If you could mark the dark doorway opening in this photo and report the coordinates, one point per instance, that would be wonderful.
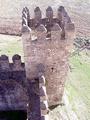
(13, 115)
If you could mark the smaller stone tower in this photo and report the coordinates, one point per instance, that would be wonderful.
(47, 42)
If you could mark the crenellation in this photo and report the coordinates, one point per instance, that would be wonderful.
(48, 21)
(15, 70)
(59, 14)
(4, 62)
(25, 16)
(49, 18)
(50, 48)
(17, 63)
(65, 17)
(37, 16)
(49, 12)
(46, 43)
(43, 96)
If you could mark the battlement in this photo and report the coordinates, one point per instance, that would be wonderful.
(47, 42)
(15, 70)
(61, 22)
(14, 84)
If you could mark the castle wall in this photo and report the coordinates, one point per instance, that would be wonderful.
(13, 91)
(16, 93)
(10, 14)
(46, 44)
(15, 70)
(13, 96)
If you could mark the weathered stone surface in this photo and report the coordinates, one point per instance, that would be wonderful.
(50, 49)
(15, 70)
(12, 96)
(47, 55)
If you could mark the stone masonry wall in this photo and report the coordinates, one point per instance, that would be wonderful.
(13, 71)
(13, 91)
(16, 93)
(47, 42)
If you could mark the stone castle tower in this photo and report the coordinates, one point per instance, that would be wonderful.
(47, 42)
